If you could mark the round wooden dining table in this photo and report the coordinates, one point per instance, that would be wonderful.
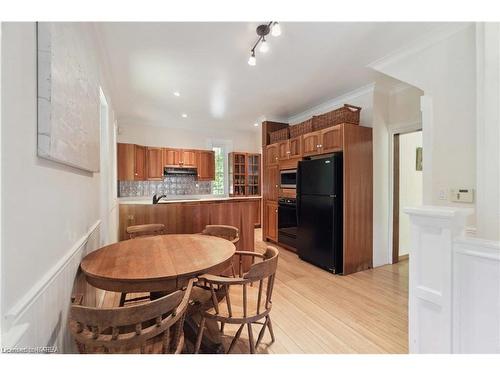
(156, 264)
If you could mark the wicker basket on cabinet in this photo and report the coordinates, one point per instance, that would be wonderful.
(302, 128)
(348, 113)
(278, 135)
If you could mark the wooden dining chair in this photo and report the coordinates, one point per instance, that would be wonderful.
(226, 232)
(151, 327)
(223, 231)
(143, 230)
(256, 301)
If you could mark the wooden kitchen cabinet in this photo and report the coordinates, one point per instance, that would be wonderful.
(125, 161)
(175, 157)
(131, 162)
(140, 163)
(205, 164)
(283, 150)
(171, 157)
(323, 141)
(290, 149)
(271, 219)
(311, 143)
(272, 153)
(154, 163)
(295, 147)
(331, 139)
(271, 191)
(188, 158)
(244, 174)
(253, 174)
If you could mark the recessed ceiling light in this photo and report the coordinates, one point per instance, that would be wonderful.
(184, 115)
(177, 93)
(256, 124)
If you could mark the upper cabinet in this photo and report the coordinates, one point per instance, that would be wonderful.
(126, 161)
(131, 162)
(295, 147)
(205, 164)
(244, 174)
(142, 163)
(331, 139)
(290, 149)
(311, 143)
(188, 158)
(272, 154)
(171, 157)
(154, 163)
(323, 141)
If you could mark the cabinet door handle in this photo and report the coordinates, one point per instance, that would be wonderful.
(136, 174)
(276, 185)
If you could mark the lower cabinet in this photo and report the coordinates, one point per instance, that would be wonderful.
(271, 219)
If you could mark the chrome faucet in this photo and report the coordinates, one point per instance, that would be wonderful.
(157, 199)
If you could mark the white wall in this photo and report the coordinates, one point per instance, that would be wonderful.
(51, 208)
(148, 135)
(488, 130)
(410, 185)
(445, 70)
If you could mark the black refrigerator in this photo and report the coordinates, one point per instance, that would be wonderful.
(319, 212)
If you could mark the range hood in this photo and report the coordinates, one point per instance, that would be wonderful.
(179, 171)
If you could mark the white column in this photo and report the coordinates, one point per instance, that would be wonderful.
(488, 133)
(430, 281)
(427, 145)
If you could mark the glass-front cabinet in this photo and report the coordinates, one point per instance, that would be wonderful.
(244, 174)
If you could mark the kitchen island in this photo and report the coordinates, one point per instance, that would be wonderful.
(192, 215)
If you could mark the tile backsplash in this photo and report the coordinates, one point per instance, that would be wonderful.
(171, 185)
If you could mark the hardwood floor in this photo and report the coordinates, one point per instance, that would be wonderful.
(317, 312)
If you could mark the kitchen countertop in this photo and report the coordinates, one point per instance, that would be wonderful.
(189, 199)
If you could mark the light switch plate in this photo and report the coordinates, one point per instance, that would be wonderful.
(462, 195)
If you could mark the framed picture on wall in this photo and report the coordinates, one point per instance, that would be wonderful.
(68, 96)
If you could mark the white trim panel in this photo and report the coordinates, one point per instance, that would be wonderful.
(39, 318)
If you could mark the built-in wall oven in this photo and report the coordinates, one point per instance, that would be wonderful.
(287, 222)
(288, 179)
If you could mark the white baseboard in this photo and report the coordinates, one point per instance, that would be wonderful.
(39, 318)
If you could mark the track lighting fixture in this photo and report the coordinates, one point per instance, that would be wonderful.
(272, 27)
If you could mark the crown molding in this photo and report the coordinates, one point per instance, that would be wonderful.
(332, 103)
(129, 121)
(420, 44)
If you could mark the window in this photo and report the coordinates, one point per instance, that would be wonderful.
(218, 184)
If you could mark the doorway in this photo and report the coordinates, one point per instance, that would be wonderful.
(408, 188)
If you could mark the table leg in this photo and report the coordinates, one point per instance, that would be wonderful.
(211, 342)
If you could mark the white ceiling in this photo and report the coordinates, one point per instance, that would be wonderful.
(207, 63)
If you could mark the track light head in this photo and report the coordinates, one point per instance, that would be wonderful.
(252, 61)
(276, 29)
(264, 46)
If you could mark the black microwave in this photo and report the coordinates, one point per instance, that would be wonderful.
(288, 179)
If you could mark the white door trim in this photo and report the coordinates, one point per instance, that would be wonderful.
(401, 128)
